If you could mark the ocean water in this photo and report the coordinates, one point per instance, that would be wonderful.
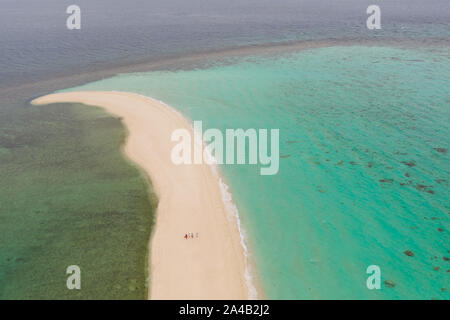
(36, 45)
(313, 228)
(364, 168)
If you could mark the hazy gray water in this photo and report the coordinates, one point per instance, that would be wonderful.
(35, 43)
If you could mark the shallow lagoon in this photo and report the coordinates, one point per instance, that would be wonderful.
(364, 164)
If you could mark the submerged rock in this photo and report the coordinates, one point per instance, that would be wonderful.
(424, 188)
(409, 164)
(409, 253)
(441, 150)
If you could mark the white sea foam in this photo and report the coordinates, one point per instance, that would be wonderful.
(227, 198)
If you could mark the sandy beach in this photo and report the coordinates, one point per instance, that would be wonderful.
(212, 264)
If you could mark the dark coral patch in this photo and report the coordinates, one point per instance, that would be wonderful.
(20, 260)
(409, 163)
(409, 253)
(441, 150)
(424, 188)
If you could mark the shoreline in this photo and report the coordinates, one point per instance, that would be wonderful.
(212, 265)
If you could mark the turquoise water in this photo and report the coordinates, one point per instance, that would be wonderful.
(364, 167)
